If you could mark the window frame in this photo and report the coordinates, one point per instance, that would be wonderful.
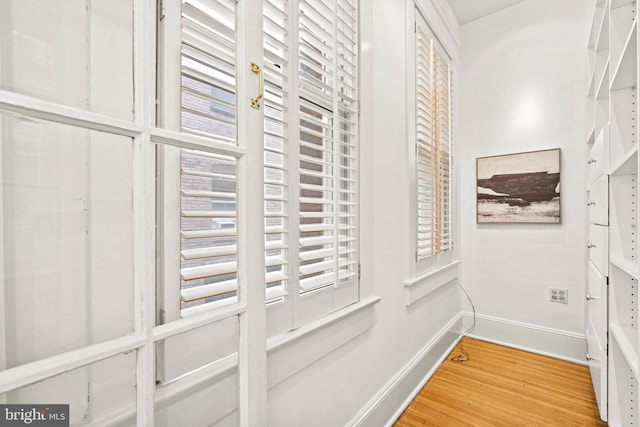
(433, 24)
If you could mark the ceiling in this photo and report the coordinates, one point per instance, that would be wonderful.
(470, 10)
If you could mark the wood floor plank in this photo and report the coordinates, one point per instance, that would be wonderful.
(502, 386)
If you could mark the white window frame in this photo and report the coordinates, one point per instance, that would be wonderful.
(439, 257)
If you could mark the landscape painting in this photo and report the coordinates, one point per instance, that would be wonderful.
(519, 188)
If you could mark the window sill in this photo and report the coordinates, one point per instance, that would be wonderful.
(315, 340)
(421, 286)
(309, 343)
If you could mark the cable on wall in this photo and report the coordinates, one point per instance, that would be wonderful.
(464, 356)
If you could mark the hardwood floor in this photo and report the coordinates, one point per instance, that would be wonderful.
(502, 386)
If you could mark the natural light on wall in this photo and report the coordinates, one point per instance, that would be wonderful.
(526, 114)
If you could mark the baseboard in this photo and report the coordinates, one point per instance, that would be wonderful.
(551, 342)
(389, 403)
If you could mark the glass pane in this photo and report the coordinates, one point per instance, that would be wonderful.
(102, 393)
(72, 52)
(67, 223)
(197, 382)
(185, 353)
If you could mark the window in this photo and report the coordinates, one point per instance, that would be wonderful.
(433, 150)
(310, 161)
(311, 174)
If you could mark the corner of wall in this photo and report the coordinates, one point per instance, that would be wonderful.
(550, 342)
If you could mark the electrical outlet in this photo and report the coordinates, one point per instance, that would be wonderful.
(559, 295)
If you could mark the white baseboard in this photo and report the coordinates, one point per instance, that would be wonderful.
(389, 403)
(551, 342)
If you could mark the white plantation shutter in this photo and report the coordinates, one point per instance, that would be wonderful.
(317, 210)
(347, 139)
(276, 133)
(433, 146)
(208, 69)
(425, 142)
(328, 144)
(208, 247)
(443, 122)
(316, 172)
(311, 151)
(310, 159)
(208, 193)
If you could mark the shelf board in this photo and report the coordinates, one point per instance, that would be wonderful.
(602, 38)
(602, 92)
(618, 3)
(625, 74)
(628, 165)
(628, 266)
(627, 339)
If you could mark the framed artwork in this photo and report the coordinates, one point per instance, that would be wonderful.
(519, 188)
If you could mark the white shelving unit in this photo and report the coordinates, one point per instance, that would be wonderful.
(614, 268)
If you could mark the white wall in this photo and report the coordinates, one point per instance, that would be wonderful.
(523, 88)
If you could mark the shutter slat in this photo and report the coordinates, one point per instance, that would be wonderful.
(208, 291)
(316, 267)
(200, 272)
(208, 214)
(199, 234)
(316, 254)
(209, 194)
(275, 292)
(208, 252)
(316, 282)
(315, 227)
(316, 241)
